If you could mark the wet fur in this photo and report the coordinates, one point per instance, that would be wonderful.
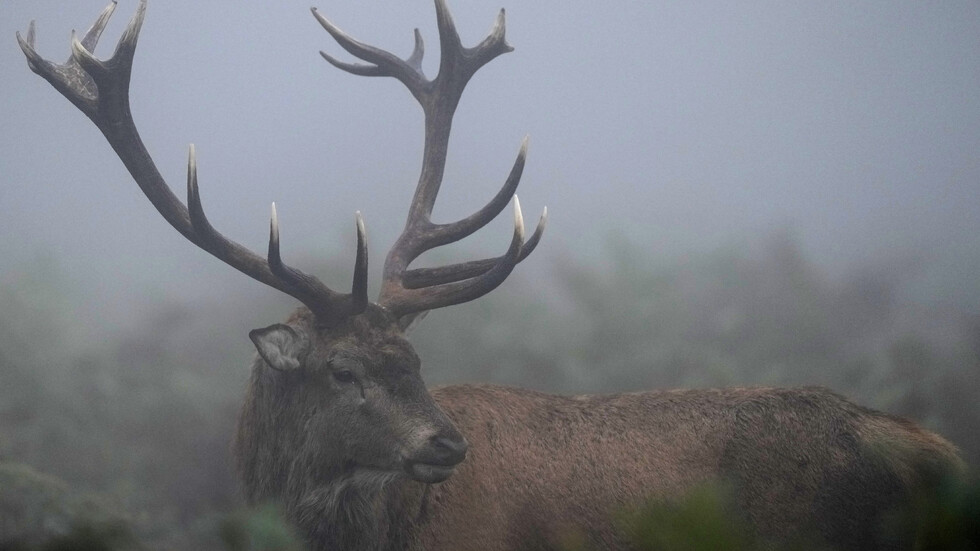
(801, 463)
(358, 511)
(333, 505)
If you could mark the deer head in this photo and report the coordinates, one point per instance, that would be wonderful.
(339, 378)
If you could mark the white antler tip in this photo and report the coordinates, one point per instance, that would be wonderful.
(191, 172)
(518, 216)
(274, 229)
(78, 50)
(500, 22)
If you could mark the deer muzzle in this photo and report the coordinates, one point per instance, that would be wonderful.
(438, 459)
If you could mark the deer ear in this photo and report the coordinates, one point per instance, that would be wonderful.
(281, 346)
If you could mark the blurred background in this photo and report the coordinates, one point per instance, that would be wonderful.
(773, 193)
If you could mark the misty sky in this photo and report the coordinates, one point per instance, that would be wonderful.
(681, 124)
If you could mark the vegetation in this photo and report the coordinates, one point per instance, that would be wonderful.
(38, 510)
(946, 517)
(141, 421)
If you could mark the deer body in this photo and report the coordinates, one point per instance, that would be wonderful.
(339, 429)
(801, 463)
(543, 470)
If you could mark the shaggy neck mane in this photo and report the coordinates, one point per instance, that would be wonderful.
(334, 505)
(361, 510)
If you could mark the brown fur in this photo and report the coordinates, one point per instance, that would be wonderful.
(802, 463)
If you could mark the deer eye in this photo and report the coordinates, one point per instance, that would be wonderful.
(344, 376)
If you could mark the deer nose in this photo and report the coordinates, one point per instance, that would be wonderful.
(449, 450)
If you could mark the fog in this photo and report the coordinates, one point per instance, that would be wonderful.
(682, 125)
(764, 193)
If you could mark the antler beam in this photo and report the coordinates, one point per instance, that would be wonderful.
(100, 90)
(406, 292)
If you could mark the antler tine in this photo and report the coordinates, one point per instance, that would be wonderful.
(126, 47)
(89, 42)
(100, 89)
(95, 68)
(383, 63)
(95, 32)
(428, 277)
(35, 62)
(359, 288)
(322, 301)
(449, 42)
(442, 234)
(404, 301)
(31, 32)
(468, 61)
(121, 60)
(415, 60)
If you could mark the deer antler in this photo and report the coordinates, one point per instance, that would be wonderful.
(407, 292)
(100, 89)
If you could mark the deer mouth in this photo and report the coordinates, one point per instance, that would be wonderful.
(429, 473)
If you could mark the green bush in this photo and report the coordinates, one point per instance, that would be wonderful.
(39, 511)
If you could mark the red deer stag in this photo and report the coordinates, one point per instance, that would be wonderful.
(339, 429)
